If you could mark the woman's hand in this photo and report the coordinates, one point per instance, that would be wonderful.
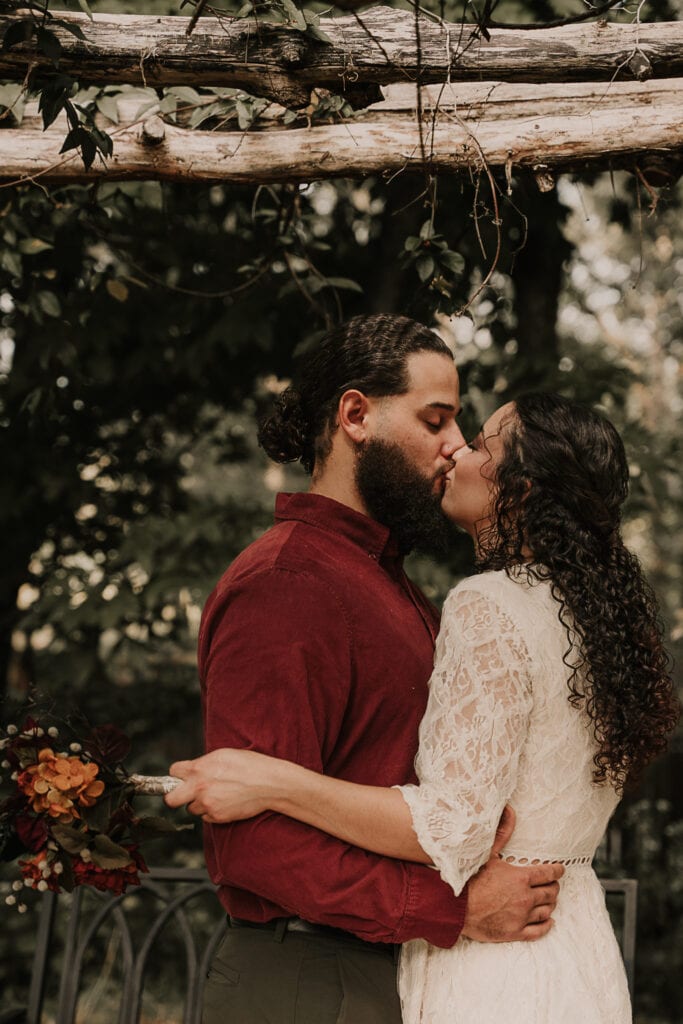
(226, 785)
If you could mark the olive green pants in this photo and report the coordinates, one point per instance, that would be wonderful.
(270, 977)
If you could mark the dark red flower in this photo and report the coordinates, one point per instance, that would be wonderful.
(32, 831)
(114, 880)
(107, 744)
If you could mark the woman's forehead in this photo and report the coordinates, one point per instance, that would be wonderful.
(497, 420)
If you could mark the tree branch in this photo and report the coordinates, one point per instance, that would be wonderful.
(564, 127)
(284, 65)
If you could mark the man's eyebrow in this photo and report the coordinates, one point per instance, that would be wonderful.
(446, 406)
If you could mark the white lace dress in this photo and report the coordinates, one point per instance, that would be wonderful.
(499, 729)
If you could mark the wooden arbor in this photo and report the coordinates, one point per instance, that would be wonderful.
(600, 94)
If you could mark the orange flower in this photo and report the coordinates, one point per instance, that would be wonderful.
(56, 785)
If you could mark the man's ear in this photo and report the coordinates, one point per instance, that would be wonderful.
(353, 415)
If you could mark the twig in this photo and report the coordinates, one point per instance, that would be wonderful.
(199, 7)
(596, 12)
(640, 233)
(654, 196)
(306, 294)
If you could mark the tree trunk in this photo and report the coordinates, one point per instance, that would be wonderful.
(470, 127)
(537, 278)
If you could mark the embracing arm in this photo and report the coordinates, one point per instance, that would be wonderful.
(242, 783)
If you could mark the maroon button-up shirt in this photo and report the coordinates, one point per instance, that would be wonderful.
(315, 647)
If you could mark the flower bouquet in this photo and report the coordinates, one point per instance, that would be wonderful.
(68, 815)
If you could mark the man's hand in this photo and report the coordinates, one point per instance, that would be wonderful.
(506, 903)
(224, 785)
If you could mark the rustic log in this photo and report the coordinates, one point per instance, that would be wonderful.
(464, 127)
(283, 64)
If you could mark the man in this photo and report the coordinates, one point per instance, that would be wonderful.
(316, 647)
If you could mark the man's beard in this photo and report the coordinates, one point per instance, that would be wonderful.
(399, 496)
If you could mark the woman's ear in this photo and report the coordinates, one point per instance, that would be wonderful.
(353, 415)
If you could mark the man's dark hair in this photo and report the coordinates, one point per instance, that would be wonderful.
(368, 353)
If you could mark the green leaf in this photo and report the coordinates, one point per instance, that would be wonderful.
(453, 261)
(169, 105)
(149, 827)
(74, 139)
(294, 15)
(49, 303)
(18, 32)
(412, 243)
(245, 114)
(54, 97)
(97, 816)
(86, 141)
(150, 104)
(48, 44)
(83, 4)
(103, 141)
(72, 114)
(424, 266)
(108, 106)
(204, 113)
(11, 98)
(106, 853)
(11, 262)
(187, 94)
(68, 26)
(427, 230)
(69, 838)
(344, 282)
(32, 246)
(313, 27)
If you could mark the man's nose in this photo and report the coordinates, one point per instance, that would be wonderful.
(453, 442)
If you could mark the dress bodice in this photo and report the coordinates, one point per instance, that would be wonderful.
(499, 728)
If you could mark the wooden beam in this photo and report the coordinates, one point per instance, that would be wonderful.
(284, 64)
(468, 126)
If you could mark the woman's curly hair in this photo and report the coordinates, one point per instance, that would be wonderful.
(560, 487)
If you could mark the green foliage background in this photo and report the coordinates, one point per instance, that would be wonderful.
(144, 326)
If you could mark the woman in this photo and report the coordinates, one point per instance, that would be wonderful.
(549, 692)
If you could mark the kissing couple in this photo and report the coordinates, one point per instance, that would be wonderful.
(378, 780)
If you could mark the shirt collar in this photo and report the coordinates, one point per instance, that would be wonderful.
(317, 510)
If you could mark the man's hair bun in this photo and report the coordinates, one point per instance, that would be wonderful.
(283, 433)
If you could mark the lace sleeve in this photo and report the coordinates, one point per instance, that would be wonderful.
(472, 733)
